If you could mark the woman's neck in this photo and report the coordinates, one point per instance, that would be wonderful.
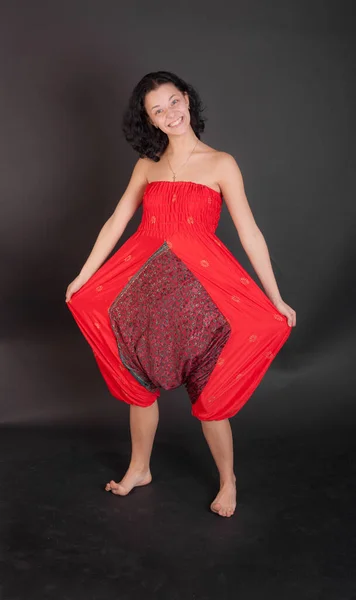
(180, 146)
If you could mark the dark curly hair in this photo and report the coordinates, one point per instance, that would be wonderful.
(146, 139)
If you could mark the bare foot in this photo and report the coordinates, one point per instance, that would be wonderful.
(225, 502)
(133, 478)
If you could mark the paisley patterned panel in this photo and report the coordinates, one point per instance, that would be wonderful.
(169, 332)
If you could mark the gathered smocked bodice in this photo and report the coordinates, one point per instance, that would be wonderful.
(179, 206)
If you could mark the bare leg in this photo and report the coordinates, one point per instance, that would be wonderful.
(143, 426)
(218, 434)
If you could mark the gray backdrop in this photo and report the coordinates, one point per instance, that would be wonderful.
(277, 79)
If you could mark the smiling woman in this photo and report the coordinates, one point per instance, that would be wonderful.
(173, 306)
(155, 103)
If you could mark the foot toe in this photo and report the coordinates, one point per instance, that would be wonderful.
(112, 486)
(216, 507)
(119, 490)
(223, 511)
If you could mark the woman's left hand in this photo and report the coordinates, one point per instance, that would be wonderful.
(287, 311)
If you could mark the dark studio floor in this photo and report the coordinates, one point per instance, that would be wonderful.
(63, 537)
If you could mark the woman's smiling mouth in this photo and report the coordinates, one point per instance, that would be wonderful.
(176, 122)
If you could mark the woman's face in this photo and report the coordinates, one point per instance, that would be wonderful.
(168, 108)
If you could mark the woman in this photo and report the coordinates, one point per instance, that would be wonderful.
(173, 306)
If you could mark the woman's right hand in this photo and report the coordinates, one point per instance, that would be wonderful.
(74, 286)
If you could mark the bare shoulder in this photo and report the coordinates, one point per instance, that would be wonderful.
(220, 164)
(141, 169)
(226, 167)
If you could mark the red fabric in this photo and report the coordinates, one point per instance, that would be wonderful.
(180, 271)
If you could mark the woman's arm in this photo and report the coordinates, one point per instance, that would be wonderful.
(114, 227)
(231, 183)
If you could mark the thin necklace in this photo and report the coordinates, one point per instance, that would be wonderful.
(174, 173)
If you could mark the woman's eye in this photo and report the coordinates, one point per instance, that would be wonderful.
(173, 101)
